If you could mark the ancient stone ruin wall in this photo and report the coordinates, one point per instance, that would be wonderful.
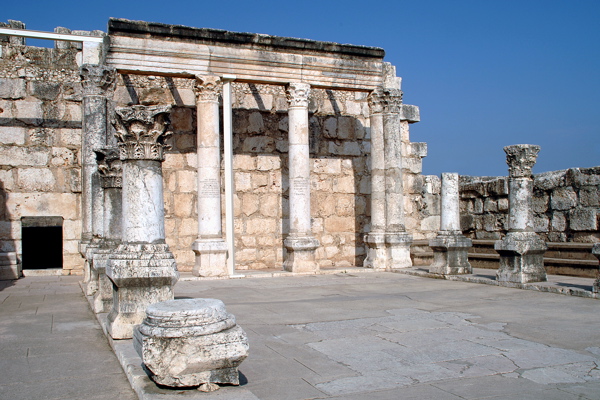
(40, 141)
(566, 205)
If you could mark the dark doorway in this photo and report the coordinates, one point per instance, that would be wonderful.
(42, 240)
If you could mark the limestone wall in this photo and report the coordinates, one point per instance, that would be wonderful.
(566, 205)
(40, 141)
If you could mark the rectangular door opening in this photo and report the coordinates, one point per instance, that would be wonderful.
(42, 242)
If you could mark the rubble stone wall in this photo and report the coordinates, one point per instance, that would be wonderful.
(40, 142)
(566, 205)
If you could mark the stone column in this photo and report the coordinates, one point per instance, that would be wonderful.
(521, 250)
(300, 243)
(96, 80)
(596, 286)
(110, 171)
(210, 247)
(450, 246)
(142, 269)
(397, 240)
(375, 239)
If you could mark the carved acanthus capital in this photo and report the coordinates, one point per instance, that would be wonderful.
(521, 159)
(110, 168)
(392, 101)
(208, 88)
(376, 101)
(96, 79)
(141, 132)
(297, 94)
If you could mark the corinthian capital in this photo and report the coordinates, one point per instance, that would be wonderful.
(391, 100)
(521, 159)
(141, 132)
(208, 88)
(96, 79)
(109, 167)
(297, 94)
(376, 99)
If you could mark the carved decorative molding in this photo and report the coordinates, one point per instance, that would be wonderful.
(141, 132)
(109, 167)
(520, 159)
(96, 79)
(208, 88)
(297, 94)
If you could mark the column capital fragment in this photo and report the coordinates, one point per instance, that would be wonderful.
(520, 159)
(297, 94)
(385, 100)
(208, 87)
(141, 132)
(109, 167)
(96, 79)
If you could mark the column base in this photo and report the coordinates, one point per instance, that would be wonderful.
(376, 251)
(211, 257)
(301, 254)
(10, 267)
(103, 298)
(398, 250)
(521, 258)
(450, 254)
(142, 274)
(90, 277)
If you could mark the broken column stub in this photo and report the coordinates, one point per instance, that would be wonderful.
(210, 247)
(450, 247)
(300, 243)
(110, 171)
(142, 269)
(521, 250)
(191, 342)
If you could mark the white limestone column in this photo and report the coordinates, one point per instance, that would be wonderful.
(521, 250)
(450, 247)
(375, 239)
(398, 241)
(450, 210)
(96, 81)
(142, 269)
(300, 243)
(210, 247)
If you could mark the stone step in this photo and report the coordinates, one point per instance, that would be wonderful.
(572, 259)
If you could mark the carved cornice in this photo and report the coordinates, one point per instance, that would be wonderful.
(297, 94)
(96, 79)
(141, 132)
(520, 159)
(109, 167)
(208, 88)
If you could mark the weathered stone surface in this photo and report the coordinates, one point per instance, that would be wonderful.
(191, 342)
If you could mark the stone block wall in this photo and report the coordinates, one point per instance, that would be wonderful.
(566, 205)
(40, 142)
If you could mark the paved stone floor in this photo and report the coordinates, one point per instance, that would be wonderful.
(343, 336)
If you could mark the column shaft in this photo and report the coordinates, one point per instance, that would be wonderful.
(450, 210)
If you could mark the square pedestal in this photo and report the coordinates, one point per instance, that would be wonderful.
(450, 255)
(376, 251)
(141, 275)
(211, 257)
(521, 258)
(10, 267)
(398, 250)
(301, 254)
(103, 297)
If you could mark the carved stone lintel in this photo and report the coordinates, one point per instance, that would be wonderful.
(109, 168)
(208, 88)
(521, 159)
(297, 94)
(96, 79)
(141, 132)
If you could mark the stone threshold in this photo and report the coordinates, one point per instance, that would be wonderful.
(559, 284)
(140, 382)
(276, 273)
(50, 272)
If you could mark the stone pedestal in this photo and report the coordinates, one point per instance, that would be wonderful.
(450, 246)
(210, 247)
(142, 269)
(10, 267)
(300, 243)
(398, 250)
(376, 251)
(596, 252)
(521, 250)
(191, 342)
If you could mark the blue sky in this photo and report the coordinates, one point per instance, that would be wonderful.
(485, 74)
